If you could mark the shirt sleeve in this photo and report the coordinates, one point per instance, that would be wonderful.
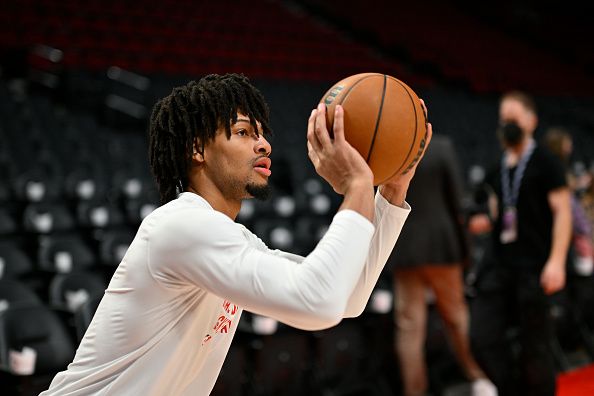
(553, 175)
(206, 249)
(388, 221)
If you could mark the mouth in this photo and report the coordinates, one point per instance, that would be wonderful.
(262, 166)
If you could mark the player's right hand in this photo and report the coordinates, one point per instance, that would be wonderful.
(339, 163)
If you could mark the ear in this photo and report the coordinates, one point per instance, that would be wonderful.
(197, 155)
(532, 121)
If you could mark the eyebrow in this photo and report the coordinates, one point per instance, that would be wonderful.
(242, 120)
(258, 131)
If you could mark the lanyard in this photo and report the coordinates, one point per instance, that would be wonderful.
(511, 192)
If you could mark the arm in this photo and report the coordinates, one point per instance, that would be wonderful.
(389, 220)
(553, 274)
(391, 211)
(205, 249)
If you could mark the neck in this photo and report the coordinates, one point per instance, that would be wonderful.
(515, 152)
(216, 199)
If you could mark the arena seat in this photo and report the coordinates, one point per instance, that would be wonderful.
(69, 291)
(15, 264)
(16, 293)
(28, 331)
(62, 254)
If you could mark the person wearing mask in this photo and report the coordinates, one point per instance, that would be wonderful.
(531, 230)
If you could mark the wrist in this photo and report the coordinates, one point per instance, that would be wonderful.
(358, 196)
(394, 193)
(359, 185)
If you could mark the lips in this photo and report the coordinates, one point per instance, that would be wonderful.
(262, 166)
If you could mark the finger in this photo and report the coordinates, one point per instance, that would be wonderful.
(311, 153)
(428, 138)
(311, 135)
(424, 108)
(320, 129)
(311, 122)
(312, 139)
(429, 134)
(338, 127)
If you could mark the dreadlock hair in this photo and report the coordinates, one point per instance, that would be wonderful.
(188, 118)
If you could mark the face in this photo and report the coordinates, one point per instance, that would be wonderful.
(239, 165)
(567, 147)
(514, 111)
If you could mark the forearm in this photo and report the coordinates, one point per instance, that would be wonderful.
(389, 220)
(359, 198)
(314, 290)
(561, 235)
(394, 194)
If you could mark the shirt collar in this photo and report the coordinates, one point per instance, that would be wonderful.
(195, 198)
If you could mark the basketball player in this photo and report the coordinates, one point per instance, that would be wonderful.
(172, 307)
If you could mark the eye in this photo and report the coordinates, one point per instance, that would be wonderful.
(242, 132)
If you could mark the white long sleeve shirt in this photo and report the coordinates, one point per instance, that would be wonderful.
(172, 307)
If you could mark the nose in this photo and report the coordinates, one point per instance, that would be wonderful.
(262, 146)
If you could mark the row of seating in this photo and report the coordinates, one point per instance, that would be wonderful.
(455, 40)
(178, 38)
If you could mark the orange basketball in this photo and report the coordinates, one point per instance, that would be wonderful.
(383, 120)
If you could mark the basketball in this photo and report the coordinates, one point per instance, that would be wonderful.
(383, 120)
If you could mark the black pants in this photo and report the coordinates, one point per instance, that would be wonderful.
(511, 332)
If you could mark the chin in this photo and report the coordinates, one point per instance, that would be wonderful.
(259, 191)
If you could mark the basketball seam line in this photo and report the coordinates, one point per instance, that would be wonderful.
(349, 91)
(377, 122)
(416, 127)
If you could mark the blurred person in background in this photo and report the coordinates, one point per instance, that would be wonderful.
(587, 197)
(560, 143)
(430, 257)
(580, 269)
(530, 225)
(586, 189)
(170, 312)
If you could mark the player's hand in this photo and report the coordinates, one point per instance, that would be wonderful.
(339, 163)
(552, 277)
(395, 188)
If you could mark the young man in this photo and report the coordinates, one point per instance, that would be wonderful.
(173, 305)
